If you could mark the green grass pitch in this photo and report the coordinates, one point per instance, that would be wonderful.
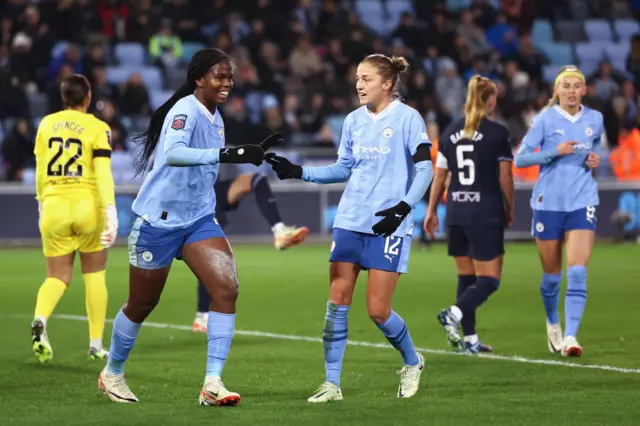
(285, 294)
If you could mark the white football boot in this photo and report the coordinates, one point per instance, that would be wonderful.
(214, 394)
(570, 347)
(410, 379)
(325, 393)
(115, 387)
(554, 337)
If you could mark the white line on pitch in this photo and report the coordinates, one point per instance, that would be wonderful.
(382, 346)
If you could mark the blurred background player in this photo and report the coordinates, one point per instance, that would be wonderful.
(382, 143)
(76, 201)
(564, 200)
(229, 193)
(175, 218)
(478, 154)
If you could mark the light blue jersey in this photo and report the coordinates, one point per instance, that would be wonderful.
(375, 155)
(176, 193)
(565, 184)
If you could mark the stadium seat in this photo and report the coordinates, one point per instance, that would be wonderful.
(589, 52)
(569, 31)
(598, 30)
(550, 72)
(158, 97)
(189, 48)
(558, 53)
(542, 32)
(626, 28)
(130, 54)
(457, 5)
(151, 76)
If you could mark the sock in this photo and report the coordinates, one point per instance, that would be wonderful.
(477, 294)
(220, 332)
(468, 321)
(456, 312)
(396, 332)
(265, 199)
(204, 300)
(95, 285)
(123, 337)
(334, 340)
(575, 298)
(549, 290)
(473, 339)
(50, 293)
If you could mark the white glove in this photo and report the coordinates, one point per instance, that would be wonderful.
(108, 236)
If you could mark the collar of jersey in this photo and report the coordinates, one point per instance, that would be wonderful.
(204, 110)
(565, 114)
(382, 113)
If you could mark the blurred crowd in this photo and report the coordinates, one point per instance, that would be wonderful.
(296, 62)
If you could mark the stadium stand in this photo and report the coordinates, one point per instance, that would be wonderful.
(141, 47)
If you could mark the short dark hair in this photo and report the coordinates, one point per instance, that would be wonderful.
(74, 90)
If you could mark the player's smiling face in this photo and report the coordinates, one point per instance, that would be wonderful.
(217, 83)
(570, 91)
(371, 87)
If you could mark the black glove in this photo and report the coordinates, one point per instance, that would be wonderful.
(283, 167)
(393, 217)
(243, 154)
(271, 140)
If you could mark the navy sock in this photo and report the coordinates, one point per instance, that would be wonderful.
(204, 300)
(468, 321)
(265, 199)
(477, 294)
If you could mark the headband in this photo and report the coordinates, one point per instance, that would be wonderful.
(571, 72)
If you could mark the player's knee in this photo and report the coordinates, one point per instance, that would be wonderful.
(140, 310)
(492, 283)
(378, 312)
(550, 282)
(340, 294)
(577, 277)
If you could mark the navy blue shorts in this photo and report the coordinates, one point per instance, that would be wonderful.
(155, 248)
(371, 251)
(482, 243)
(551, 225)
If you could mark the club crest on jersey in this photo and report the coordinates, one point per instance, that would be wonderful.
(387, 133)
(588, 132)
(179, 121)
(221, 132)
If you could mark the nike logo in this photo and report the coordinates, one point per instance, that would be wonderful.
(399, 216)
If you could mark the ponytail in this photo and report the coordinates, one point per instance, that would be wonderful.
(199, 66)
(479, 90)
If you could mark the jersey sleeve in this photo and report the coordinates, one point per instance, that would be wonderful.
(341, 169)
(416, 134)
(177, 140)
(102, 166)
(526, 157)
(535, 136)
(595, 147)
(505, 153)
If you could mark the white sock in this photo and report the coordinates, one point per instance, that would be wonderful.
(211, 380)
(95, 343)
(473, 339)
(456, 312)
(277, 227)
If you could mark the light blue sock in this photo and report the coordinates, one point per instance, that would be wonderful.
(575, 299)
(220, 332)
(334, 340)
(550, 290)
(123, 337)
(396, 332)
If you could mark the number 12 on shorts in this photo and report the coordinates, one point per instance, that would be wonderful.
(391, 246)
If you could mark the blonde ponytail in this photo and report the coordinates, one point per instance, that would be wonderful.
(479, 90)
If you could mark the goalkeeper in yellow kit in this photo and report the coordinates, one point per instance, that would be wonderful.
(76, 202)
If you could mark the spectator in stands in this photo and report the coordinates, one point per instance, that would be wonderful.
(53, 88)
(592, 100)
(625, 158)
(139, 27)
(606, 86)
(630, 95)
(450, 88)
(184, 16)
(336, 58)
(113, 16)
(502, 36)
(95, 59)
(21, 60)
(312, 117)
(484, 13)
(135, 98)
(409, 32)
(238, 128)
(274, 122)
(17, 150)
(473, 34)
(70, 57)
(42, 39)
(101, 88)
(633, 60)
(165, 47)
(106, 111)
(441, 34)
(13, 100)
(304, 60)
(291, 111)
(530, 59)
